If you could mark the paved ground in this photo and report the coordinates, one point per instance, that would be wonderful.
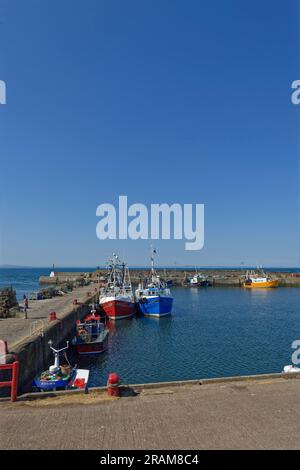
(233, 415)
(13, 330)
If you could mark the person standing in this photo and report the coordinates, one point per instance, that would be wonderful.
(25, 306)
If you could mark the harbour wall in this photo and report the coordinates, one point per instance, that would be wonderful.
(34, 353)
(226, 277)
(171, 385)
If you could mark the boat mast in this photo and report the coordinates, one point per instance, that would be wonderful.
(56, 353)
(153, 252)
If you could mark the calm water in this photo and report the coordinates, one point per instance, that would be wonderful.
(213, 332)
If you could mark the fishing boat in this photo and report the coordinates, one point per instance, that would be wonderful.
(153, 295)
(198, 280)
(91, 335)
(116, 298)
(259, 279)
(60, 377)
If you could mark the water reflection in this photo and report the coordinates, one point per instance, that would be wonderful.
(223, 331)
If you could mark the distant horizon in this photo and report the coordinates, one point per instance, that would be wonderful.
(156, 266)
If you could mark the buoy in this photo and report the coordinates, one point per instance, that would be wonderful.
(52, 316)
(113, 385)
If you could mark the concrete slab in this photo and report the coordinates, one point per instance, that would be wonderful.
(252, 414)
(14, 330)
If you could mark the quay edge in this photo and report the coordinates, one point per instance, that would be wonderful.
(34, 353)
(167, 386)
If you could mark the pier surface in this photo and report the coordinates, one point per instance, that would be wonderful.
(14, 330)
(246, 414)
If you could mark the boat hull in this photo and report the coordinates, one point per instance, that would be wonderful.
(155, 306)
(92, 348)
(199, 284)
(117, 309)
(48, 385)
(261, 285)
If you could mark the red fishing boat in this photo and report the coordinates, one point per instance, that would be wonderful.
(116, 298)
(91, 335)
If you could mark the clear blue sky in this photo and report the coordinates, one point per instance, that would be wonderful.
(163, 101)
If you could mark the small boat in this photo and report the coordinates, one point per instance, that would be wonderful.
(61, 377)
(91, 335)
(259, 279)
(116, 298)
(153, 296)
(169, 282)
(198, 280)
(290, 369)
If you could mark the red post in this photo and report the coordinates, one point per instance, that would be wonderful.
(113, 385)
(15, 381)
(52, 316)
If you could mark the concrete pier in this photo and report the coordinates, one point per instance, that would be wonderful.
(250, 413)
(28, 338)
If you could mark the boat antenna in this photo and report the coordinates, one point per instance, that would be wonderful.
(153, 252)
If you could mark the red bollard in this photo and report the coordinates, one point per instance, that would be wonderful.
(52, 316)
(113, 385)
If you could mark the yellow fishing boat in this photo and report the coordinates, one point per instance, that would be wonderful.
(259, 279)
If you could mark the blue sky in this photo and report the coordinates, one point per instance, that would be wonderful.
(163, 101)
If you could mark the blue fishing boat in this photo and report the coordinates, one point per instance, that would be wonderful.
(60, 377)
(153, 296)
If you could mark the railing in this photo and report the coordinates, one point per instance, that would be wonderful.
(37, 328)
(13, 367)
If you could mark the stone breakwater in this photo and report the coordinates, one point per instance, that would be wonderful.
(76, 278)
(217, 277)
(8, 303)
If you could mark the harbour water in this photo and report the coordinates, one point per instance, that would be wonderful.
(212, 332)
